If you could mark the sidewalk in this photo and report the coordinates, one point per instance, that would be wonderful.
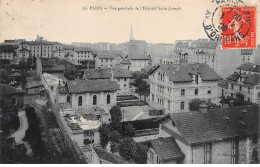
(20, 133)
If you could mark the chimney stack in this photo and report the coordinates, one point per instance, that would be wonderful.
(203, 108)
(112, 75)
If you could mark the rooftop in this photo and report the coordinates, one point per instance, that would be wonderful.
(252, 79)
(105, 73)
(166, 148)
(16, 74)
(54, 68)
(33, 81)
(184, 72)
(197, 127)
(98, 85)
(249, 67)
(9, 90)
(109, 157)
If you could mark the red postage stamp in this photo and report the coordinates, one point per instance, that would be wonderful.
(238, 27)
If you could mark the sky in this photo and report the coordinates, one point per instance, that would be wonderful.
(66, 21)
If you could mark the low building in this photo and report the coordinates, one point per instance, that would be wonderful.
(164, 151)
(16, 77)
(217, 136)
(80, 94)
(34, 85)
(100, 156)
(121, 76)
(138, 62)
(173, 86)
(10, 96)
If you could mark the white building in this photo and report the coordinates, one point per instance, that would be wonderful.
(173, 86)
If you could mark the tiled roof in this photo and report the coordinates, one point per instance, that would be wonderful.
(125, 61)
(8, 48)
(16, 74)
(33, 81)
(217, 124)
(8, 90)
(249, 67)
(105, 73)
(252, 79)
(166, 148)
(98, 85)
(149, 68)
(109, 157)
(182, 72)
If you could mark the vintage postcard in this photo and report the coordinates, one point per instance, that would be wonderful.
(129, 82)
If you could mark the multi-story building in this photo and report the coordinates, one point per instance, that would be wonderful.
(223, 61)
(217, 136)
(173, 86)
(121, 76)
(80, 54)
(9, 52)
(245, 83)
(138, 62)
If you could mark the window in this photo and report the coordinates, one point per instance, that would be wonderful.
(183, 92)
(207, 153)
(106, 60)
(232, 86)
(196, 91)
(240, 88)
(151, 155)
(197, 79)
(153, 97)
(14, 101)
(169, 104)
(68, 98)
(234, 151)
(232, 95)
(248, 89)
(95, 100)
(209, 91)
(182, 105)
(80, 101)
(108, 99)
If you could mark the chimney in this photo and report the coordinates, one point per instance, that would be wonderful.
(112, 75)
(203, 108)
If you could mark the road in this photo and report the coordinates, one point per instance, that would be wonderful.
(58, 152)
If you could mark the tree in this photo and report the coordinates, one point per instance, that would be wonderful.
(142, 87)
(129, 130)
(116, 115)
(127, 148)
(104, 130)
(9, 120)
(194, 104)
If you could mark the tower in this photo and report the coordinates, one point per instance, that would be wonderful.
(131, 34)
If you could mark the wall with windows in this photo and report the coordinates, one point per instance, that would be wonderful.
(12, 100)
(137, 65)
(175, 97)
(104, 100)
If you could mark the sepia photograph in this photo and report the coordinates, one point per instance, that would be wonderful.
(129, 82)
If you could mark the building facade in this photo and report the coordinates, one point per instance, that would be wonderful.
(174, 86)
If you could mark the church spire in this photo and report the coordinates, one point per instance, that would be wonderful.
(131, 34)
